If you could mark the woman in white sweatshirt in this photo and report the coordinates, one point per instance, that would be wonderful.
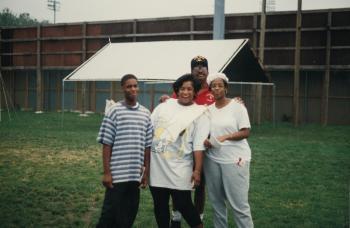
(180, 127)
(226, 164)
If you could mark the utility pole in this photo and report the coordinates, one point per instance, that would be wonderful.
(53, 5)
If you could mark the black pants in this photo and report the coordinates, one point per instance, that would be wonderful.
(181, 199)
(199, 196)
(120, 205)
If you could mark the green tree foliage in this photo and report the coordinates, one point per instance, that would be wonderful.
(8, 18)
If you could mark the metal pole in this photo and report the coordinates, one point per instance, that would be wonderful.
(241, 89)
(5, 97)
(326, 79)
(219, 20)
(262, 31)
(306, 113)
(255, 27)
(62, 104)
(251, 83)
(83, 99)
(54, 12)
(0, 107)
(0, 71)
(39, 79)
(0, 96)
(273, 105)
(297, 67)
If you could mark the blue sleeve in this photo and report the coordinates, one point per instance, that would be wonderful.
(107, 131)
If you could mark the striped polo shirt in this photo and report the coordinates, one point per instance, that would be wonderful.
(129, 131)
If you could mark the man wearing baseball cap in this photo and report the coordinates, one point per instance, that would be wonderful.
(199, 69)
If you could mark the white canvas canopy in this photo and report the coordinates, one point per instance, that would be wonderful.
(154, 61)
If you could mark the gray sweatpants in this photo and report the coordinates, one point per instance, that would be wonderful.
(228, 183)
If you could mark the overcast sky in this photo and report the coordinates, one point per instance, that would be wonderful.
(97, 10)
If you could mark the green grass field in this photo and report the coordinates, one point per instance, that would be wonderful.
(50, 174)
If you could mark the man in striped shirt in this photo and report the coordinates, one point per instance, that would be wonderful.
(126, 135)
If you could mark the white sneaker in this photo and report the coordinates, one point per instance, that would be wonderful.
(176, 216)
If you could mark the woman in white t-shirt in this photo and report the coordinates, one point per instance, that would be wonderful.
(180, 128)
(226, 165)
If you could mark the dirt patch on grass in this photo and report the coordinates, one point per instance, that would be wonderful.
(45, 156)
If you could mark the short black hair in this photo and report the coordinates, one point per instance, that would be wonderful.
(127, 77)
(185, 78)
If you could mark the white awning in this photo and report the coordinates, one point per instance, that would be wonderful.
(164, 60)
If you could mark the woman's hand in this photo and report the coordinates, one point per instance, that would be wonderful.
(223, 138)
(196, 178)
(207, 144)
(163, 98)
(239, 100)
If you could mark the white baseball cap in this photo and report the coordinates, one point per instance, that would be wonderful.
(214, 76)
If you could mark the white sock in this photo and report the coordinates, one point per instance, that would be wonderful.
(176, 216)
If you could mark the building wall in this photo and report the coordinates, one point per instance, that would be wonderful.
(34, 60)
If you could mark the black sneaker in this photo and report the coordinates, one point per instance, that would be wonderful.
(175, 224)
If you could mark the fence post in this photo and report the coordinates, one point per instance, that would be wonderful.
(258, 95)
(326, 79)
(297, 67)
(39, 78)
(84, 83)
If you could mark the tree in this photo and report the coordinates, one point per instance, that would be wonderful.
(8, 18)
